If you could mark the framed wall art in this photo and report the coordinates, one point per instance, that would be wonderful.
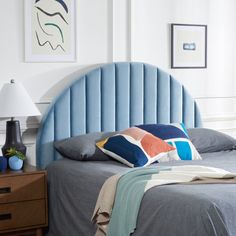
(50, 31)
(188, 46)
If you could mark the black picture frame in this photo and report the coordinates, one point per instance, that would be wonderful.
(188, 46)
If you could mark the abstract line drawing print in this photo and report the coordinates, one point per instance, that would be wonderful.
(51, 29)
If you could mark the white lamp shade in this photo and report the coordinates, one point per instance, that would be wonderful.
(16, 102)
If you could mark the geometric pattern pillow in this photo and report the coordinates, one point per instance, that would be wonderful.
(135, 147)
(176, 135)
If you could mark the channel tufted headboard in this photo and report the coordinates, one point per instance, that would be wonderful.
(114, 97)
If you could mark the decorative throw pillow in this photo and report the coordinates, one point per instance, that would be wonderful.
(136, 147)
(176, 135)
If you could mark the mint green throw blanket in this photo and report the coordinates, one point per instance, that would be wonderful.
(129, 194)
(132, 185)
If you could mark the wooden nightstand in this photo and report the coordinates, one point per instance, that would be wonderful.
(23, 202)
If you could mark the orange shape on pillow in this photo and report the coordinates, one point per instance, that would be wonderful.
(153, 145)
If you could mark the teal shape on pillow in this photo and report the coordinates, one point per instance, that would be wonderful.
(184, 129)
(184, 150)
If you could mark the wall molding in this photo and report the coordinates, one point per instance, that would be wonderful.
(29, 124)
(206, 120)
(219, 118)
(23, 127)
(46, 101)
(227, 130)
(221, 122)
(214, 97)
(35, 124)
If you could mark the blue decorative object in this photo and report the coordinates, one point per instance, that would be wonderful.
(189, 46)
(3, 163)
(15, 163)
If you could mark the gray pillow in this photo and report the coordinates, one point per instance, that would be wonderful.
(83, 147)
(208, 140)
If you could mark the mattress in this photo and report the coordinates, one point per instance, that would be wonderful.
(179, 210)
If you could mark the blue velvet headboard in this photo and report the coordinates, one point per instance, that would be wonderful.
(114, 97)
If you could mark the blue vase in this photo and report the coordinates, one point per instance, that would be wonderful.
(15, 163)
(3, 163)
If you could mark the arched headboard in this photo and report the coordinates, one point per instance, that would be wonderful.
(114, 97)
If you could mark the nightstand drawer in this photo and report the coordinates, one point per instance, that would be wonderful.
(22, 187)
(22, 214)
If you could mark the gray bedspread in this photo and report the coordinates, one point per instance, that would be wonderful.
(171, 210)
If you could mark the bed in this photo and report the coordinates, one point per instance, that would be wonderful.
(111, 98)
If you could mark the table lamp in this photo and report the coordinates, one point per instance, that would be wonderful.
(15, 102)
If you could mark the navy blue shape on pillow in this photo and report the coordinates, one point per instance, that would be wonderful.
(128, 151)
(163, 131)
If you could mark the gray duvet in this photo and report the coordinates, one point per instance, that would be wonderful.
(171, 210)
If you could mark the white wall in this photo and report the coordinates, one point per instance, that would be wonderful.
(214, 87)
(137, 30)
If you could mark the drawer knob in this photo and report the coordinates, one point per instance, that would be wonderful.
(5, 190)
(6, 216)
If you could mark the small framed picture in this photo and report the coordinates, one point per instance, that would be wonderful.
(188, 46)
(50, 31)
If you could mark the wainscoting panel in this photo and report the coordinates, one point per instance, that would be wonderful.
(217, 112)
